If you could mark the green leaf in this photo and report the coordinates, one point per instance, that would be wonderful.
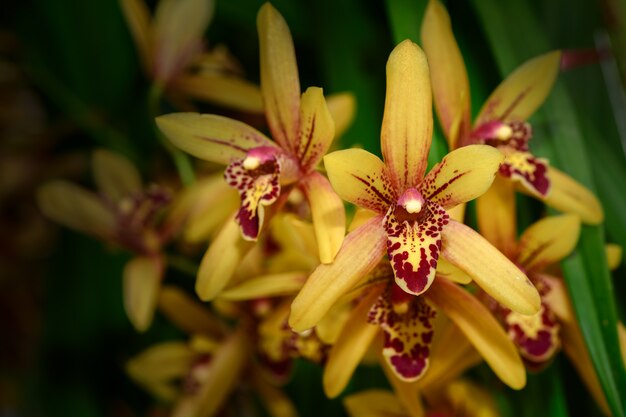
(586, 272)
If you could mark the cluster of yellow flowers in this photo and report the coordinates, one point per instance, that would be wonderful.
(410, 287)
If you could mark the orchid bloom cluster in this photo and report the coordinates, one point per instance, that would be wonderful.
(410, 287)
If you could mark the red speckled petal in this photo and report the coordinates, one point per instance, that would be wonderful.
(413, 245)
(529, 170)
(257, 188)
(408, 335)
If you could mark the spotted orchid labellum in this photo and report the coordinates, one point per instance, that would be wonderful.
(265, 171)
(501, 122)
(410, 224)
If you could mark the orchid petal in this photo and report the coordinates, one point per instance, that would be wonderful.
(479, 326)
(213, 202)
(317, 128)
(495, 211)
(359, 254)
(407, 127)
(373, 403)
(115, 175)
(361, 215)
(220, 261)
(451, 355)
(142, 281)
(329, 328)
(360, 178)
(523, 91)
(342, 107)
(221, 377)
(76, 208)
(329, 216)
(613, 255)
(137, 17)
(211, 137)
(413, 246)
(158, 367)
(548, 241)
(447, 72)
(346, 354)
(450, 272)
(258, 186)
(224, 90)
(275, 401)
(536, 336)
(569, 196)
(489, 268)
(462, 175)
(471, 400)
(557, 298)
(405, 391)
(178, 29)
(530, 171)
(408, 335)
(280, 85)
(272, 285)
(186, 313)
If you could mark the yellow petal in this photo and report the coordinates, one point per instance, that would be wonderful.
(482, 329)
(222, 375)
(329, 216)
(489, 268)
(224, 90)
(115, 175)
(523, 91)
(557, 298)
(137, 17)
(329, 328)
(213, 203)
(406, 392)
(220, 260)
(495, 211)
(359, 254)
(548, 241)
(407, 127)
(211, 137)
(613, 255)
(458, 212)
(355, 338)
(275, 401)
(360, 178)
(462, 175)
(280, 85)
(178, 29)
(450, 272)
(76, 208)
(469, 399)
(158, 367)
(272, 285)
(451, 355)
(447, 72)
(186, 313)
(621, 333)
(342, 107)
(142, 281)
(317, 128)
(361, 216)
(569, 196)
(373, 403)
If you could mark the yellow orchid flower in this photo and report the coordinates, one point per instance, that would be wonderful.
(170, 48)
(502, 122)
(123, 213)
(410, 223)
(539, 337)
(261, 170)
